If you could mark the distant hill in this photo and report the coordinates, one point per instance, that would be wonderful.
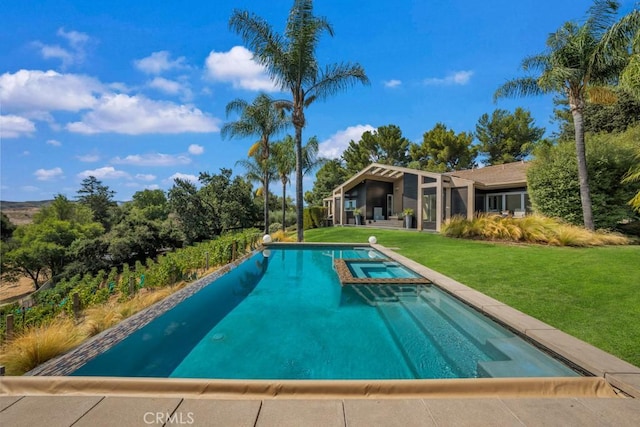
(22, 212)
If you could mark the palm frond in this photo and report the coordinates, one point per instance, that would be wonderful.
(336, 78)
(304, 31)
(623, 34)
(536, 62)
(237, 129)
(630, 78)
(601, 15)
(236, 106)
(523, 86)
(268, 47)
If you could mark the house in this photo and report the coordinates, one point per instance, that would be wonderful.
(383, 192)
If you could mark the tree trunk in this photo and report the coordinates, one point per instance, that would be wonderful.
(585, 194)
(284, 205)
(266, 202)
(299, 205)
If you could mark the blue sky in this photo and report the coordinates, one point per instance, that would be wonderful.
(134, 92)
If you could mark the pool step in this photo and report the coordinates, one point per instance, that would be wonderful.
(461, 352)
(465, 319)
(522, 360)
(421, 355)
(375, 294)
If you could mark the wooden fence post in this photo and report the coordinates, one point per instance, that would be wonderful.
(76, 305)
(10, 326)
(132, 286)
(234, 250)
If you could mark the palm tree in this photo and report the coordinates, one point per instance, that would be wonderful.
(581, 63)
(264, 119)
(262, 171)
(291, 62)
(284, 157)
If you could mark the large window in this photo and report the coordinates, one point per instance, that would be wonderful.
(512, 202)
(349, 204)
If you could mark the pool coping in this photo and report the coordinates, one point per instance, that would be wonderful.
(616, 372)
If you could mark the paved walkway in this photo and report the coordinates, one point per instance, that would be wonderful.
(96, 411)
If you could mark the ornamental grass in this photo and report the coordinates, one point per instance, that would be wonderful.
(38, 344)
(530, 229)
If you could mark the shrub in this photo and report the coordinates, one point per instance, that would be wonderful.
(276, 216)
(314, 216)
(553, 179)
(276, 226)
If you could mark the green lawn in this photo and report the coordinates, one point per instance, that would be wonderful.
(592, 294)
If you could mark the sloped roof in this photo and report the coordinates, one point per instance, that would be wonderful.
(494, 176)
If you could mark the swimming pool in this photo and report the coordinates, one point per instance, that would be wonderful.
(283, 314)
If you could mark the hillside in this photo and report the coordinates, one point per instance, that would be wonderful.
(22, 212)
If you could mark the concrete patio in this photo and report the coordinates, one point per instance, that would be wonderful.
(96, 411)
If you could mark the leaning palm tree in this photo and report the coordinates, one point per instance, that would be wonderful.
(261, 118)
(291, 62)
(263, 171)
(284, 157)
(581, 63)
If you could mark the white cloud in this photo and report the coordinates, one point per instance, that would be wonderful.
(107, 172)
(145, 177)
(88, 158)
(74, 54)
(183, 176)
(34, 90)
(29, 188)
(167, 86)
(392, 83)
(136, 115)
(15, 126)
(238, 68)
(48, 174)
(76, 39)
(152, 159)
(455, 78)
(54, 142)
(159, 62)
(196, 149)
(333, 147)
(56, 52)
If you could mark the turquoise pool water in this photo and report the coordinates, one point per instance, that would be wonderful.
(286, 316)
(380, 270)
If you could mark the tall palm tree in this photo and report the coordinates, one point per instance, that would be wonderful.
(284, 157)
(264, 119)
(581, 63)
(290, 60)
